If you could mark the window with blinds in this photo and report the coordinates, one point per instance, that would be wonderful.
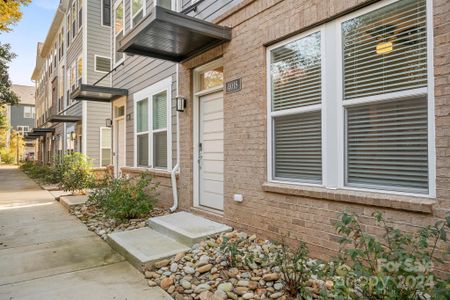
(105, 146)
(385, 50)
(387, 145)
(296, 94)
(160, 130)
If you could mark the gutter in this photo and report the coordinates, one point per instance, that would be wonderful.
(177, 165)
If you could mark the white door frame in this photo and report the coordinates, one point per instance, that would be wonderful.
(196, 117)
(120, 102)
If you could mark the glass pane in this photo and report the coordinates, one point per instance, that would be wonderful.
(119, 55)
(142, 150)
(296, 73)
(142, 115)
(137, 10)
(211, 78)
(106, 138)
(386, 50)
(165, 3)
(120, 111)
(298, 147)
(387, 145)
(118, 25)
(160, 110)
(106, 157)
(138, 17)
(160, 150)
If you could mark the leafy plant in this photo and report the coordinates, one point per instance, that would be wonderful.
(126, 198)
(7, 157)
(296, 269)
(230, 249)
(398, 266)
(76, 173)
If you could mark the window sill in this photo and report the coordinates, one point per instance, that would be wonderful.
(407, 203)
(154, 172)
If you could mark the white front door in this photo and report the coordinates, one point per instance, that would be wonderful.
(120, 145)
(210, 160)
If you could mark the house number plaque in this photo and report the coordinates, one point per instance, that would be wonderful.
(233, 86)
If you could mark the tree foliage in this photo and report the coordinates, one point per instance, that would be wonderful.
(7, 96)
(10, 13)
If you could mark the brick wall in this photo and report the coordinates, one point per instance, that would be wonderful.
(284, 212)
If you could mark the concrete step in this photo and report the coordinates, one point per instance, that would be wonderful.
(70, 202)
(186, 227)
(144, 246)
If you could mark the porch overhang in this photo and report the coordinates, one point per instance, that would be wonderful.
(64, 119)
(43, 130)
(31, 136)
(97, 93)
(172, 36)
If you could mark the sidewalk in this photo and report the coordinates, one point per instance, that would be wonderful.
(46, 253)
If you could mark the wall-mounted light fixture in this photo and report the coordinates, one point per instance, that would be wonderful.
(108, 123)
(73, 136)
(181, 103)
(129, 117)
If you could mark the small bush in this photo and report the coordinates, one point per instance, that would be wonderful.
(398, 266)
(7, 157)
(76, 174)
(126, 198)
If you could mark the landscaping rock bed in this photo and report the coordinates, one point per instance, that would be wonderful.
(204, 272)
(96, 221)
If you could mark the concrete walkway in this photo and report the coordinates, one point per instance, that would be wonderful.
(46, 253)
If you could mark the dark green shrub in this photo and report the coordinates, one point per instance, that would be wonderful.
(76, 173)
(126, 198)
(398, 266)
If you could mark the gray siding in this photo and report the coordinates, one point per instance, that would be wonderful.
(75, 48)
(75, 109)
(98, 42)
(18, 119)
(96, 115)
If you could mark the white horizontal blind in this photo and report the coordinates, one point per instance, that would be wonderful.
(298, 147)
(387, 145)
(296, 73)
(385, 50)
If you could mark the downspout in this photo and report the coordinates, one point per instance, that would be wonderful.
(173, 174)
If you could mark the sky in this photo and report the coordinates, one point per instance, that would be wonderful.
(37, 18)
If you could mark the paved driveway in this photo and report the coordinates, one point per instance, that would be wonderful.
(46, 253)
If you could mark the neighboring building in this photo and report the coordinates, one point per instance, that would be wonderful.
(21, 116)
(296, 110)
(76, 52)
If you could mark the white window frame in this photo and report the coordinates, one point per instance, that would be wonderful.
(95, 63)
(21, 129)
(111, 4)
(333, 106)
(115, 34)
(28, 115)
(101, 146)
(148, 93)
(174, 4)
(133, 14)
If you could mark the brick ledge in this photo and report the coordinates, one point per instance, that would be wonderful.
(155, 172)
(408, 203)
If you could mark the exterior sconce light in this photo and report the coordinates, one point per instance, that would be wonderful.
(181, 103)
(384, 48)
(73, 136)
(53, 138)
(129, 117)
(108, 122)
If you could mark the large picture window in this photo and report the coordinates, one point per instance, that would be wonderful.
(152, 126)
(351, 110)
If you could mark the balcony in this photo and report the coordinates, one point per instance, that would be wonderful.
(172, 36)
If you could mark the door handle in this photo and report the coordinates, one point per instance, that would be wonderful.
(200, 154)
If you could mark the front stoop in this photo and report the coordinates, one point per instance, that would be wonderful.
(70, 202)
(168, 235)
(144, 246)
(186, 227)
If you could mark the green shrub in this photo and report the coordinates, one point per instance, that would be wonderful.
(126, 198)
(56, 170)
(7, 157)
(397, 266)
(75, 172)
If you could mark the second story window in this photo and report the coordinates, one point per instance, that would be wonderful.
(118, 29)
(79, 69)
(80, 13)
(69, 21)
(74, 19)
(137, 11)
(28, 112)
(106, 12)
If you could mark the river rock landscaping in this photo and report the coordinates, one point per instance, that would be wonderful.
(97, 221)
(206, 271)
